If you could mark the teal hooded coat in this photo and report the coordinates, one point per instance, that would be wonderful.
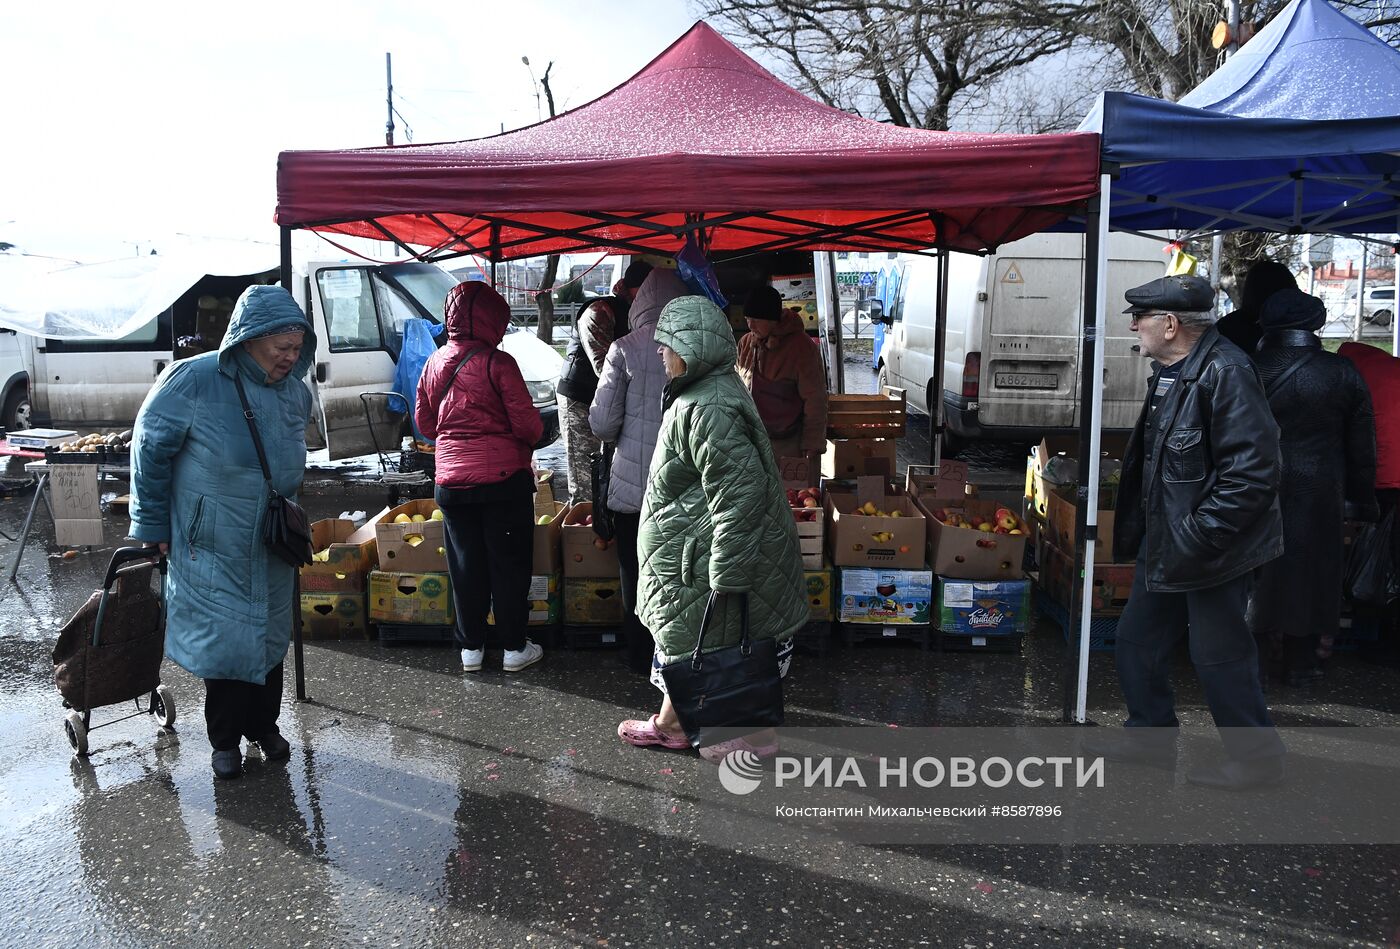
(197, 485)
(714, 516)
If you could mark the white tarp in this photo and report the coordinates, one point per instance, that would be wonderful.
(113, 299)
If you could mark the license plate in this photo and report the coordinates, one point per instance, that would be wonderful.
(1027, 380)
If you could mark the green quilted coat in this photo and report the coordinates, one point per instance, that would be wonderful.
(715, 516)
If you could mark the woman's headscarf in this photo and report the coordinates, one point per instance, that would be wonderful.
(1292, 310)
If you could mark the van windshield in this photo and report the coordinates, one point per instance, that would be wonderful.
(427, 284)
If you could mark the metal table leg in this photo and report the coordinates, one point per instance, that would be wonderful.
(29, 520)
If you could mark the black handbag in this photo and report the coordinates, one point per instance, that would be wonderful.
(288, 530)
(603, 524)
(1370, 570)
(734, 687)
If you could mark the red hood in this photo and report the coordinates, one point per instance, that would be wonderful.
(476, 312)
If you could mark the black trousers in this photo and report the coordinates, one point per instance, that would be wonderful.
(235, 710)
(636, 638)
(489, 552)
(1222, 650)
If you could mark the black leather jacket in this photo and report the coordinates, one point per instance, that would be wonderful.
(1198, 497)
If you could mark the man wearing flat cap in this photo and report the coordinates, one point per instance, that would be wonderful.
(1198, 504)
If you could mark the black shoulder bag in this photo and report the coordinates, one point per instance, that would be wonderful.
(734, 687)
(603, 524)
(288, 531)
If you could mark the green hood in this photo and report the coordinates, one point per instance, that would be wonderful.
(699, 333)
(259, 311)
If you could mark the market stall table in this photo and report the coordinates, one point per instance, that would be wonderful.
(121, 470)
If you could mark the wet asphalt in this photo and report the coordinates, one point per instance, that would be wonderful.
(422, 807)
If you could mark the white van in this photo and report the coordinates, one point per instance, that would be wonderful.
(358, 310)
(1011, 370)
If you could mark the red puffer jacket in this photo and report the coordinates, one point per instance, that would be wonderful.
(485, 424)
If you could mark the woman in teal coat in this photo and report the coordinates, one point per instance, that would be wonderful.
(198, 492)
(715, 519)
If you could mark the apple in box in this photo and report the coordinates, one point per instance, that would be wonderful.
(805, 503)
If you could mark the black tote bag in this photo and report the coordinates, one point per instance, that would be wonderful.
(734, 687)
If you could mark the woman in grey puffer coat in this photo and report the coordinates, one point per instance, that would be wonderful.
(626, 410)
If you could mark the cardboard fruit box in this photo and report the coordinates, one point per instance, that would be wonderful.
(415, 547)
(818, 585)
(334, 615)
(582, 556)
(1062, 517)
(847, 458)
(984, 607)
(546, 601)
(592, 601)
(415, 599)
(970, 554)
(1112, 581)
(886, 597)
(797, 286)
(350, 554)
(548, 551)
(867, 540)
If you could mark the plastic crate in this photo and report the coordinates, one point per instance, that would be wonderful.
(393, 633)
(590, 637)
(1103, 630)
(852, 633)
(960, 642)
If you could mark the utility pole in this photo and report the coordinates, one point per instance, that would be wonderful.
(389, 99)
(1360, 296)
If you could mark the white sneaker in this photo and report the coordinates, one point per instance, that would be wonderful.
(517, 659)
(471, 659)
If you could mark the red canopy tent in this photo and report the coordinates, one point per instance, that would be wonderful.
(704, 140)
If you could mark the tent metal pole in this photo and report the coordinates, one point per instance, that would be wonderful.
(1095, 291)
(834, 325)
(298, 667)
(1395, 300)
(940, 346)
(1360, 297)
(286, 259)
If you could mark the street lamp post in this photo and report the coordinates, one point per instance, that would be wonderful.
(534, 84)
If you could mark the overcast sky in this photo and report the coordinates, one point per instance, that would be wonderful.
(130, 122)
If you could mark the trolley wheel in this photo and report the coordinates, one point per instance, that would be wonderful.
(77, 732)
(163, 706)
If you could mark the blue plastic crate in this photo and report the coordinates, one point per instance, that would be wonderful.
(1103, 630)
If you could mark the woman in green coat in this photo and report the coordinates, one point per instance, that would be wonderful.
(714, 516)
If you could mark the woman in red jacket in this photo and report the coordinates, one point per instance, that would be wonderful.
(472, 400)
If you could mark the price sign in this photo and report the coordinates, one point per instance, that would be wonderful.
(76, 509)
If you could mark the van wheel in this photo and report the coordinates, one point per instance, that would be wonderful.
(17, 411)
(1379, 318)
(882, 379)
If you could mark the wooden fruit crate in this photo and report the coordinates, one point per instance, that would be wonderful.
(811, 537)
(866, 416)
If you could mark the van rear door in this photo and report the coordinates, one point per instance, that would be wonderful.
(1031, 344)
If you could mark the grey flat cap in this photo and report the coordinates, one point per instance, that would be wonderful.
(1178, 294)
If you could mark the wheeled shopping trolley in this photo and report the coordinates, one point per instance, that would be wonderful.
(110, 651)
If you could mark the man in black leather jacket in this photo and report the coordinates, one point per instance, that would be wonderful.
(1198, 503)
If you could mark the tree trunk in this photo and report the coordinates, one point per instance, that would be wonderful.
(544, 298)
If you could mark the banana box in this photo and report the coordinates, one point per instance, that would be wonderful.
(414, 599)
(592, 601)
(334, 616)
(343, 555)
(545, 601)
(411, 538)
(886, 597)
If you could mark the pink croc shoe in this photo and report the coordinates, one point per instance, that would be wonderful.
(648, 732)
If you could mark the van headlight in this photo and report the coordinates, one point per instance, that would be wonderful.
(541, 391)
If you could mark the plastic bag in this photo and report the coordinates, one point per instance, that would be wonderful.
(418, 345)
(698, 273)
(1370, 577)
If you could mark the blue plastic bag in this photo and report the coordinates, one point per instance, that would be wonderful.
(418, 345)
(697, 273)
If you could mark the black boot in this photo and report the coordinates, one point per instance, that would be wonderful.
(228, 764)
(1302, 667)
(274, 747)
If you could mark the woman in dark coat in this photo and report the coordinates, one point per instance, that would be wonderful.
(1328, 447)
(1241, 326)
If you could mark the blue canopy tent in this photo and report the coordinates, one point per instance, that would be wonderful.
(1298, 132)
